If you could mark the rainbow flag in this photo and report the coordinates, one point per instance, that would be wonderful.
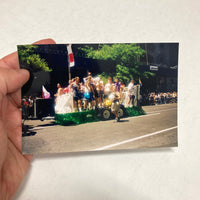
(140, 82)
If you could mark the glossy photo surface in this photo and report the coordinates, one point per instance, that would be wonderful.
(92, 97)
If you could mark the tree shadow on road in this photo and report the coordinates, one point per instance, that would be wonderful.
(49, 124)
(26, 130)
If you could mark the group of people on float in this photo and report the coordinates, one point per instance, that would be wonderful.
(93, 93)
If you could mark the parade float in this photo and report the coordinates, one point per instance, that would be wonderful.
(96, 115)
(65, 115)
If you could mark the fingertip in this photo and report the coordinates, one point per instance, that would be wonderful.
(45, 41)
(24, 72)
(29, 157)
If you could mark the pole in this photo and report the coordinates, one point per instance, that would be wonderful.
(69, 69)
(146, 54)
(35, 109)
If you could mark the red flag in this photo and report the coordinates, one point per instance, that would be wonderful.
(70, 55)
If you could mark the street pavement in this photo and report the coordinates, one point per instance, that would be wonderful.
(158, 128)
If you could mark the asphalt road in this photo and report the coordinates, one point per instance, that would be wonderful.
(156, 129)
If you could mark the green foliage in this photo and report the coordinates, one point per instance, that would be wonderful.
(148, 74)
(104, 77)
(30, 59)
(126, 56)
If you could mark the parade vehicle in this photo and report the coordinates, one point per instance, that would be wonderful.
(63, 113)
(98, 114)
(40, 109)
(106, 113)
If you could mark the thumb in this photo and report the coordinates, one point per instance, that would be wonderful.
(12, 79)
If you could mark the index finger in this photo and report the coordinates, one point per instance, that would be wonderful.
(12, 61)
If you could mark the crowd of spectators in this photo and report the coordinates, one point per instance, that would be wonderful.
(27, 107)
(155, 98)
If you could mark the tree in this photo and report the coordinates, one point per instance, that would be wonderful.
(126, 56)
(29, 59)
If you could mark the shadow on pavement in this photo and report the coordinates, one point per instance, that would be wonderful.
(49, 124)
(123, 120)
(26, 130)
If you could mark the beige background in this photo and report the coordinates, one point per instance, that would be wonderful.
(139, 174)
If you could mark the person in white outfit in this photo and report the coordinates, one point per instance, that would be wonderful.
(131, 93)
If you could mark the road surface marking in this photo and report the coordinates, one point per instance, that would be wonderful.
(134, 139)
(142, 115)
(162, 110)
(38, 128)
(133, 117)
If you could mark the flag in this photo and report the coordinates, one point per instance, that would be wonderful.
(45, 93)
(140, 82)
(70, 55)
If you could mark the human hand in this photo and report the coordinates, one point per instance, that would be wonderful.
(13, 165)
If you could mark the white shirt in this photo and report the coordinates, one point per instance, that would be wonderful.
(107, 87)
(131, 89)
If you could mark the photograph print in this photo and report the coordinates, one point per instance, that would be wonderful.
(92, 97)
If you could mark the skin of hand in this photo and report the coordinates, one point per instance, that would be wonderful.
(13, 164)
